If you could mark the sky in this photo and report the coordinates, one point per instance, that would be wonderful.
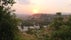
(42, 6)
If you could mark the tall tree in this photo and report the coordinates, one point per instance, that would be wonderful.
(8, 22)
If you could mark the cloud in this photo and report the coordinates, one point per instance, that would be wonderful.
(25, 2)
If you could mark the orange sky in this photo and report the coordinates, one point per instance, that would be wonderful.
(42, 6)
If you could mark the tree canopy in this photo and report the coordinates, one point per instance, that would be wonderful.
(8, 21)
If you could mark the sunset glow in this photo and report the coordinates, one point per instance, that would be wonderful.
(36, 5)
(35, 10)
(42, 6)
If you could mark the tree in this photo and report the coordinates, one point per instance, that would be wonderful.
(57, 22)
(59, 30)
(8, 21)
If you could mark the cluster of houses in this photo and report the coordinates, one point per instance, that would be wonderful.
(26, 28)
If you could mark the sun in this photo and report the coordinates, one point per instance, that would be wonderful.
(35, 10)
(36, 6)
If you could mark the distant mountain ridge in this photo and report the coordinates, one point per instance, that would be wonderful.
(26, 16)
(22, 16)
